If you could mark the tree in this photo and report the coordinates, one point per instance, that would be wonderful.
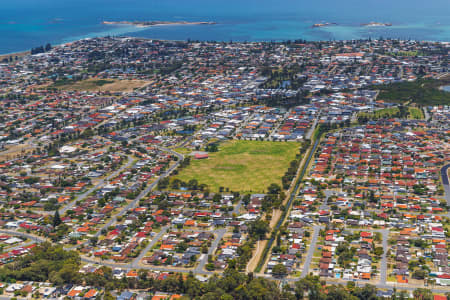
(309, 285)
(274, 189)
(422, 294)
(56, 219)
(45, 262)
(368, 292)
(279, 270)
(419, 274)
(93, 240)
(379, 251)
(258, 229)
(246, 199)
(193, 184)
(216, 198)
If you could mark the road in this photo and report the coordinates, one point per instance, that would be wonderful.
(203, 272)
(20, 246)
(9, 298)
(279, 122)
(313, 127)
(237, 207)
(221, 232)
(143, 193)
(328, 194)
(445, 182)
(311, 249)
(292, 196)
(135, 263)
(383, 262)
(200, 269)
(362, 283)
(98, 185)
(443, 75)
(34, 238)
(426, 114)
(239, 129)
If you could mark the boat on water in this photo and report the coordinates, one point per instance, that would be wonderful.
(317, 25)
(376, 24)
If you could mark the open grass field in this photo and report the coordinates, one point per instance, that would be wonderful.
(245, 166)
(381, 113)
(101, 85)
(415, 113)
(13, 151)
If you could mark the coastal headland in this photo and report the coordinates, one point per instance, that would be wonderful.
(155, 23)
(370, 24)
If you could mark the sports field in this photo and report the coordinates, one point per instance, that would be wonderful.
(244, 166)
(101, 85)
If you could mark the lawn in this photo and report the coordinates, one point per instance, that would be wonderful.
(245, 166)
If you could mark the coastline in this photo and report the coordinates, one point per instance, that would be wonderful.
(13, 54)
(22, 53)
(129, 30)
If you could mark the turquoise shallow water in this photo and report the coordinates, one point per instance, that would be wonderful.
(29, 23)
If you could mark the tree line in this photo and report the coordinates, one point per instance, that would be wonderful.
(49, 263)
(41, 49)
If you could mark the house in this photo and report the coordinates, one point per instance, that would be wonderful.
(125, 295)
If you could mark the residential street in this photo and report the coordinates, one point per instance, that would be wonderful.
(311, 249)
(70, 205)
(445, 182)
(144, 193)
(135, 263)
(219, 235)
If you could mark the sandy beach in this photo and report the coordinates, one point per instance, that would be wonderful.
(18, 54)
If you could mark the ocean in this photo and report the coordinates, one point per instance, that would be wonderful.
(29, 23)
